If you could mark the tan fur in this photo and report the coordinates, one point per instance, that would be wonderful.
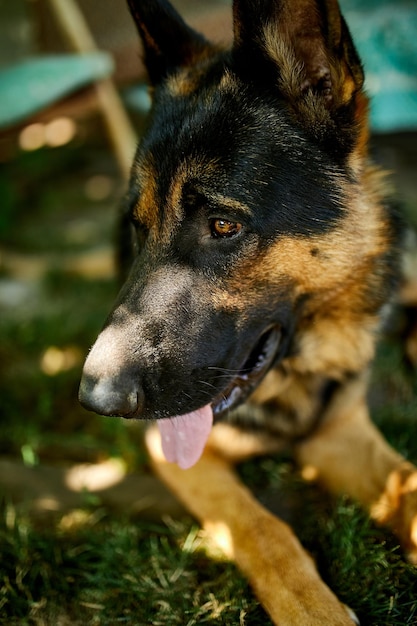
(188, 78)
(145, 211)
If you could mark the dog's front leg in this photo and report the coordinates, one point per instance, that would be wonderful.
(349, 455)
(282, 574)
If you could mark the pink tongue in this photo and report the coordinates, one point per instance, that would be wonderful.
(184, 437)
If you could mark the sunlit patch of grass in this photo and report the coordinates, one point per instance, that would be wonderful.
(109, 572)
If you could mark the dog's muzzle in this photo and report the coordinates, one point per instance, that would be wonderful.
(184, 427)
(111, 386)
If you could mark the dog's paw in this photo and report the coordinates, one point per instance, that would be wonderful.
(397, 508)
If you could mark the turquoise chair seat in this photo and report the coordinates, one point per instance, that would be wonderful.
(37, 83)
(385, 34)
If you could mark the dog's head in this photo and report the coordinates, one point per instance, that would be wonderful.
(237, 205)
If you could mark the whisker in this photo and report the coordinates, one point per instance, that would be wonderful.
(207, 394)
(205, 382)
(224, 370)
(229, 377)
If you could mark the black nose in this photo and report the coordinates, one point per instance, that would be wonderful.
(107, 396)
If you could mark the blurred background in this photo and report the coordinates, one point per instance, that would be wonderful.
(72, 104)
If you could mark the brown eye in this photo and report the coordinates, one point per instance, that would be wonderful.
(223, 228)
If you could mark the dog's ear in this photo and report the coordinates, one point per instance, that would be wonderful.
(304, 45)
(169, 43)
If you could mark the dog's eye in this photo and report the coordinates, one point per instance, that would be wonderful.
(221, 228)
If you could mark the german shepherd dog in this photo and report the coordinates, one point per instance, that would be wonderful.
(264, 258)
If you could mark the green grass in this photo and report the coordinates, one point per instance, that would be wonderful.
(113, 571)
(94, 568)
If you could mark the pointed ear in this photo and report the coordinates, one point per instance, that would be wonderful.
(305, 45)
(169, 43)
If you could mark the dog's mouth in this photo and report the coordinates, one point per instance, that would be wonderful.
(183, 437)
(251, 373)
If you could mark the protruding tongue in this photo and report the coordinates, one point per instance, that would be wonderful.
(183, 437)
